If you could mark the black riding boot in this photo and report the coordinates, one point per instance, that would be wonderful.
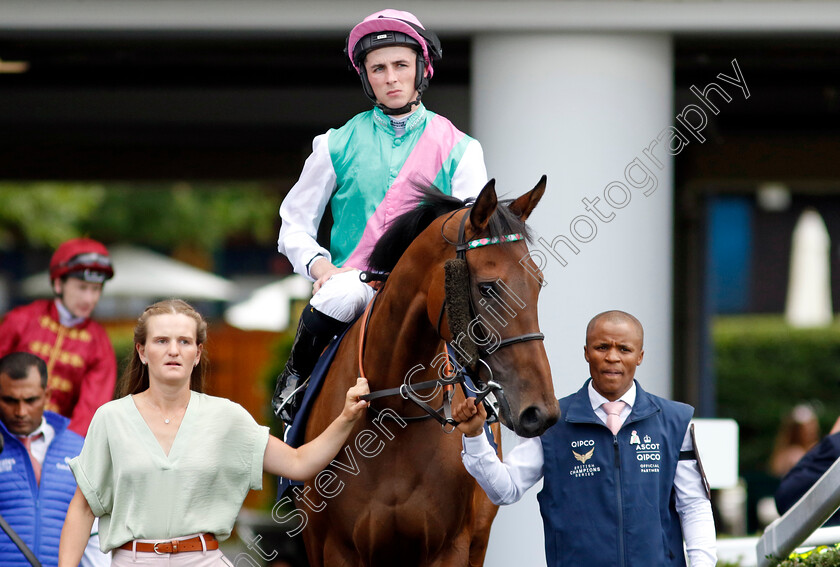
(315, 331)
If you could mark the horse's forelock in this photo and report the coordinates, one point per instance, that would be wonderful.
(504, 221)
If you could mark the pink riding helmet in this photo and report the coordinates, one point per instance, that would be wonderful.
(393, 27)
(397, 21)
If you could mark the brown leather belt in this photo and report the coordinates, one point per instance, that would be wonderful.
(174, 546)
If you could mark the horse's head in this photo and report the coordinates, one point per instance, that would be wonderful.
(492, 289)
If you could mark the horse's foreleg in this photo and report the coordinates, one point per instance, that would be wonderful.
(314, 550)
(336, 554)
(324, 550)
(456, 555)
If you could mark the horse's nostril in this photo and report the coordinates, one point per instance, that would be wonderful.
(530, 415)
(531, 421)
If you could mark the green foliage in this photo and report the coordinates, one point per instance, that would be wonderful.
(823, 556)
(764, 368)
(45, 214)
(201, 216)
(197, 216)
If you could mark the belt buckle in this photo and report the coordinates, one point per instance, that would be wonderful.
(155, 548)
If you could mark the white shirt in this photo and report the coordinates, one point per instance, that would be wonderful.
(39, 444)
(66, 318)
(506, 482)
(93, 556)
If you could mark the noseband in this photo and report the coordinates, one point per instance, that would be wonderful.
(466, 370)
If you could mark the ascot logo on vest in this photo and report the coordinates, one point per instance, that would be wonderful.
(583, 469)
(648, 455)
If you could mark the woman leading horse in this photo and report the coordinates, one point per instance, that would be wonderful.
(401, 496)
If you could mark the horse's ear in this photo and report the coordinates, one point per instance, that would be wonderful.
(484, 207)
(523, 206)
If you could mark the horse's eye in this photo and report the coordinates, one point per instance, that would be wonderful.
(485, 288)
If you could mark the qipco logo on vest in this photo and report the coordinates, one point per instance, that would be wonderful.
(582, 466)
(648, 455)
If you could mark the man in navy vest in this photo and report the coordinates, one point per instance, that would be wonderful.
(36, 483)
(622, 484)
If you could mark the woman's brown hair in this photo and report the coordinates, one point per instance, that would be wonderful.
(135, 377)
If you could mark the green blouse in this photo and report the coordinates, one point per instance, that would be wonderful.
(139, 492)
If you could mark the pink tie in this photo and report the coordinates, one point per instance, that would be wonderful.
(613, 410)
(36, 466)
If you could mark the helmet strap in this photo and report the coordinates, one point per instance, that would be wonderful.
(396, 111)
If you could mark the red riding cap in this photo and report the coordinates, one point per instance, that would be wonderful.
(82, 258)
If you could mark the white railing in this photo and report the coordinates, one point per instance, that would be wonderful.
(787, 533)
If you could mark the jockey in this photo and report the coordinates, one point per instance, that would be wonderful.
(80, 359)
(366, 172)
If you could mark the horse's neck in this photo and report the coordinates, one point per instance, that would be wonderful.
(399, 338)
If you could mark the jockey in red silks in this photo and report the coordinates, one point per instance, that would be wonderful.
(81, 365)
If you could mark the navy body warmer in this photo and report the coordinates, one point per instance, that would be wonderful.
(609, 501)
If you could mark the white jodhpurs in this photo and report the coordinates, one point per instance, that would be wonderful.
(343, 296)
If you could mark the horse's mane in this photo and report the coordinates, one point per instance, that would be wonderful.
(432, 203)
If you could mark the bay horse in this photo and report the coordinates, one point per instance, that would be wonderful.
(398, 494)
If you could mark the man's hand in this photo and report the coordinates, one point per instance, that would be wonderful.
(470, 417)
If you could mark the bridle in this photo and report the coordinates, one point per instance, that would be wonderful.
(464, 373)
(461, 247)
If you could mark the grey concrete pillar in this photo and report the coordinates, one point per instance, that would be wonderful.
(592, 111)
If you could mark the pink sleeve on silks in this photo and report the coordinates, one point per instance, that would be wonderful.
(422, 165)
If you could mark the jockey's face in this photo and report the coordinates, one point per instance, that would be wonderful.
(78, 296)
(391, 72)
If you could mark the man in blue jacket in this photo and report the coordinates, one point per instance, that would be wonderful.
(622, 484)
(36, 484)
(808, 471)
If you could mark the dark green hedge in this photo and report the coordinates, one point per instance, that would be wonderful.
(764, 368)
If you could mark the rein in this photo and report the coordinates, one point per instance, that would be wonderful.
(459, 375)
(406, 391)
